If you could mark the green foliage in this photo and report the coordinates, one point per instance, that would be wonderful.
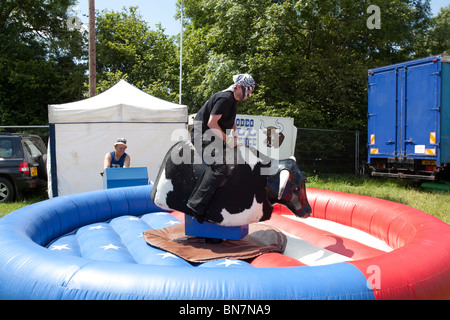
(39, 59)
(309, 58)
(127, 48)
(438, 39)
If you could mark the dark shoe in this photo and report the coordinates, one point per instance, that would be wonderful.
(213, 241)
(197, 215)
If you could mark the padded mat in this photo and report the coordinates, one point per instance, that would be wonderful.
(261, 238)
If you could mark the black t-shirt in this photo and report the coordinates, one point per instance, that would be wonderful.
(222, 102)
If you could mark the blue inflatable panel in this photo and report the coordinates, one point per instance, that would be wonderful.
(120, 240)
(159, 220)
(100, 242)
(125, 177)
(225, 263)
(66, 246)
(90, 246)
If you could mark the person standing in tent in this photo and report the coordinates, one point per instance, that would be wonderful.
(218, 115)
(117, 158)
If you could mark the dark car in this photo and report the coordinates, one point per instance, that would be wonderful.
(23, 159)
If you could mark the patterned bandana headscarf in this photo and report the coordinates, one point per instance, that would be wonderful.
(244, 80)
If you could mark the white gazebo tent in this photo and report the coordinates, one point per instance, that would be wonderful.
(82, 132)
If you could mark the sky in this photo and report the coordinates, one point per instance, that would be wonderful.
(153, 11)
(163, 11)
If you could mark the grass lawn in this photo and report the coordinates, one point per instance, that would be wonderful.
(405, 192)
(30, 198)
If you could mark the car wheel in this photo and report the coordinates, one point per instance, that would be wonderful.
(7, 191)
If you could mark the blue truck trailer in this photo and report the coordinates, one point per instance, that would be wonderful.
(409, 119)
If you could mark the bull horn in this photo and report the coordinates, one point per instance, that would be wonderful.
(284, 178)
(263, 125)
(280, 127)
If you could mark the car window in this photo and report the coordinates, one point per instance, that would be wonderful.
(39, 144)
(34, 147)
(6, 148)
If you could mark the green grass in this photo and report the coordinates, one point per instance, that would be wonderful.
(401, 191)
(30, 198)
(405, 192)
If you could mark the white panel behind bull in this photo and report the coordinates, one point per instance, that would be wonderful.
(273, 136)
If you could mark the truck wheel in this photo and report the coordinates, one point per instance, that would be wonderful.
(7, 191)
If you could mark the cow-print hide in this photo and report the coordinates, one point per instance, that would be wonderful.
(240, 200)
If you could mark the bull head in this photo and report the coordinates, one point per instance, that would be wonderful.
(288, 188)
(274, 135)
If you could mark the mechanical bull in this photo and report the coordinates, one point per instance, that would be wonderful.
(254, 183)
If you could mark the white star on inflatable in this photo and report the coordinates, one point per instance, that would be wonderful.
(97, 228)
(228, 262)
(167, 255)
(133, 219)
(161, 213)
(110, 246)
(61, 247)
(172, 222)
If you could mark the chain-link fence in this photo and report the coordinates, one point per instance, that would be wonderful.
(316, 151)
(330, 151)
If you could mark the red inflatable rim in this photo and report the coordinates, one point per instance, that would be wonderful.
(419, 265)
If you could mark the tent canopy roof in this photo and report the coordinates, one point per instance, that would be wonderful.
(121, 103)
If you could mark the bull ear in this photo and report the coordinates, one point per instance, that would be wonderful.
(284, 178)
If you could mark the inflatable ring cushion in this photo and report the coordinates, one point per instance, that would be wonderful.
(89, 246)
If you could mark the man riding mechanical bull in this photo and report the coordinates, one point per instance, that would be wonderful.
(190, 186)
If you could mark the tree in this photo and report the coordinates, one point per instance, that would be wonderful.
(309, 58)
(438, 40)
(39, 59)
(127, 48)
